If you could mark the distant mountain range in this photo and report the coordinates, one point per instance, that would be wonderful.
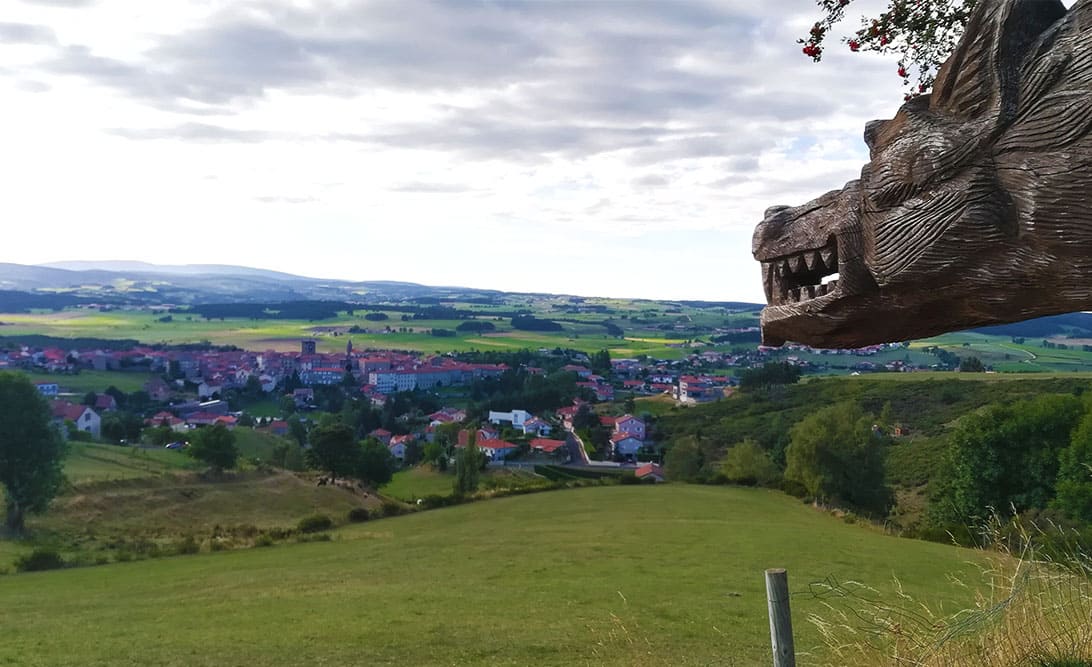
(139, 283)
(124, 282)
(129, 266)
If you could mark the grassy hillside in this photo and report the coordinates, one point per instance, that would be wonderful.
(86, 462)
(176, 505)
(666, 575)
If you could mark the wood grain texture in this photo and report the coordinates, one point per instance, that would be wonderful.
(975, 207)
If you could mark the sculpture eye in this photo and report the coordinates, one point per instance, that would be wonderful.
(889, 187)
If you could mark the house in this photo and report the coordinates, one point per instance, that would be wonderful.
(580, 371)
(382, 435)
(398, 445)
(279, 427)
(496, 450)
(48, 389)
(209, 390)
(603, 392)
(84, 418)
(550, 447)
(105, 403)
(626, 445)
(566, 415)
(448, 415)
(227, 421)
(164, 418)
(202, 419)
(630, 424)
(158, 390)
(303, 397)
(536, 426)
(650, 471)
(516, 417)
(483, 435)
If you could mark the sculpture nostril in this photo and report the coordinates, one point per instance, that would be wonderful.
(774, 210)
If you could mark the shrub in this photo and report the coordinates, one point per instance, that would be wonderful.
(392, 508)
(628, 477)
(39, 560)
(434, 501)
(187, 545)
(321, 537)
(358, 514)
(315, 523)
(264, 540)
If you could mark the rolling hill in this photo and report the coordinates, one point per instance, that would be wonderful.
(616, 575)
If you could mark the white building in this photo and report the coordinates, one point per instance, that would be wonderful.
(516, 417)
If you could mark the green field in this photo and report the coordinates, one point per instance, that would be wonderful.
(667, 575)
(585, 334)
(87, 462)
(96, 381)
(418, 482)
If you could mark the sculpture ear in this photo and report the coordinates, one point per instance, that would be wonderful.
(981, 77)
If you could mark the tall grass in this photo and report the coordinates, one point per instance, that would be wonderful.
(1033, 608)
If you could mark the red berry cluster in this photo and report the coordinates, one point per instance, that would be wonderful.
(811, 47)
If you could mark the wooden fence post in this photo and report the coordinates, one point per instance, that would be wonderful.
(777, 597)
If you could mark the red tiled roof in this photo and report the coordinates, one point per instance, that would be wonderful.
(66, 410)
(495, 444)
(547, 445)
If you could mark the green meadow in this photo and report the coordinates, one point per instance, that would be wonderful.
(332, 334)
(668, 575)
(96, 381)
(87, 462)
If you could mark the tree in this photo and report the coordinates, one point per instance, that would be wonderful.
(600, 362)
(468, 464)
(769, 374)
(1005, 458)
(433, 452)
(376, 464)
(119, 396)
(747, 463)
(1074, 487)
(31, 451)
(684, 460)
(297, 430)
(334, 449)
(835, 454)
(158, 435)
(214, 446)
(971, 365)
(119, 427)
(922, 32)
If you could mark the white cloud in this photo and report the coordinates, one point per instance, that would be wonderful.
(594, 148)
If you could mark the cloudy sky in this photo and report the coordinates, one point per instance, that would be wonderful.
(598, 148)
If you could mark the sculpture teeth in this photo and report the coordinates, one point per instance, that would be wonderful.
(785, 269)
(809, 291)
(797, 264)
(795, 294)
(768, 270)
(821, 290)
(830, 257)
(813, 259)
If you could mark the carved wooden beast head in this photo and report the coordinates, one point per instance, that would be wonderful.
(976, 206)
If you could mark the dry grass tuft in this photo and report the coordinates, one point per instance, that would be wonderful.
(1032, 611)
